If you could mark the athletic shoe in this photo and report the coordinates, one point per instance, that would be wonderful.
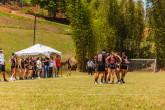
(101, 83)
(12, 79)
(118, 82)
(16, 78)
(112, 82)
(96, 82)
(38, 77)
(5, 80)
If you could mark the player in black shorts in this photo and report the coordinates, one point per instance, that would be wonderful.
(14, 66)
(112, 59)
(26, 66)
(31, 67)
(100, 66)
(124, 66)
(118, 63)
(106, 68)
(21, 67)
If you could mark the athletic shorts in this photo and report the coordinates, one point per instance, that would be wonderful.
(26, 67)
(69, 67)
(12, 66)
(101, 68)
(58, 67)
(32, 68)
(123, 67)
(106, 66)
(39, 69)
(2, 68)
(112, 67)
(22, 67)
(117, 66)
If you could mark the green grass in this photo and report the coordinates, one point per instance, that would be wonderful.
(142, 91)
(16, 33)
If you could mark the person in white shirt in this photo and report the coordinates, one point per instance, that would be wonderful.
(39, 67)
(51, 66)
(2, 65)
(90, 66)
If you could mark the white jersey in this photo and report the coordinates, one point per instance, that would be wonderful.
(2, 60)
(39, 64)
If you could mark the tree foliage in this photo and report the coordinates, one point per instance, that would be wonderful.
(156, 17)
(82, 32)
(52, 6)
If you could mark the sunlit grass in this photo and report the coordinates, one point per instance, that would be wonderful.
(142, 91)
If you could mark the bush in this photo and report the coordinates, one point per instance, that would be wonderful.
(29, 11)
(40, 13)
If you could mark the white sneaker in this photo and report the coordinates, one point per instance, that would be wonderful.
(12, 78)
(38, 77)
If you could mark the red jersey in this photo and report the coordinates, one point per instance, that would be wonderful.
(58, 62)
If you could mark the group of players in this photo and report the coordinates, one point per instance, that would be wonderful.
(110, 63)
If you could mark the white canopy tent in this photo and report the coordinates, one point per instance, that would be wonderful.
(39, 49)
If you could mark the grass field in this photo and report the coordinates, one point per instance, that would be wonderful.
(16, 33)
(142, 91)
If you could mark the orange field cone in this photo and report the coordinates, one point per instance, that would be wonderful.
(135, 71)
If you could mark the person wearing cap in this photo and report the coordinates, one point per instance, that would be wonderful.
(124, 66)
(46, 66)
(90, 66)
(100, 66)
(2, 65)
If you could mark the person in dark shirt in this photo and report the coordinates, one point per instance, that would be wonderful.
(100, 66)
(124, 66)
(118, 62)
(46, 66)
(31, 68)
(106, 68)
(112, 59)
(26, 66)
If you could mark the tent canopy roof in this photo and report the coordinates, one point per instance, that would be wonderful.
(38, 49)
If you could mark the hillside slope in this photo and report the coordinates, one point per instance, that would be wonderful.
(16, 33)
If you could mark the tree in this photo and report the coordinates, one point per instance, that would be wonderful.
(82, 33)
(156, 15)
(52, 6)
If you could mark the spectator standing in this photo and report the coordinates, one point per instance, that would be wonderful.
(58, 61)
(90, 66)
(40, 56)
(46, 66)
(2, 65)
(51, 66)
(39, 67)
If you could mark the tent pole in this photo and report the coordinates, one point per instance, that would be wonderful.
(34, 30)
